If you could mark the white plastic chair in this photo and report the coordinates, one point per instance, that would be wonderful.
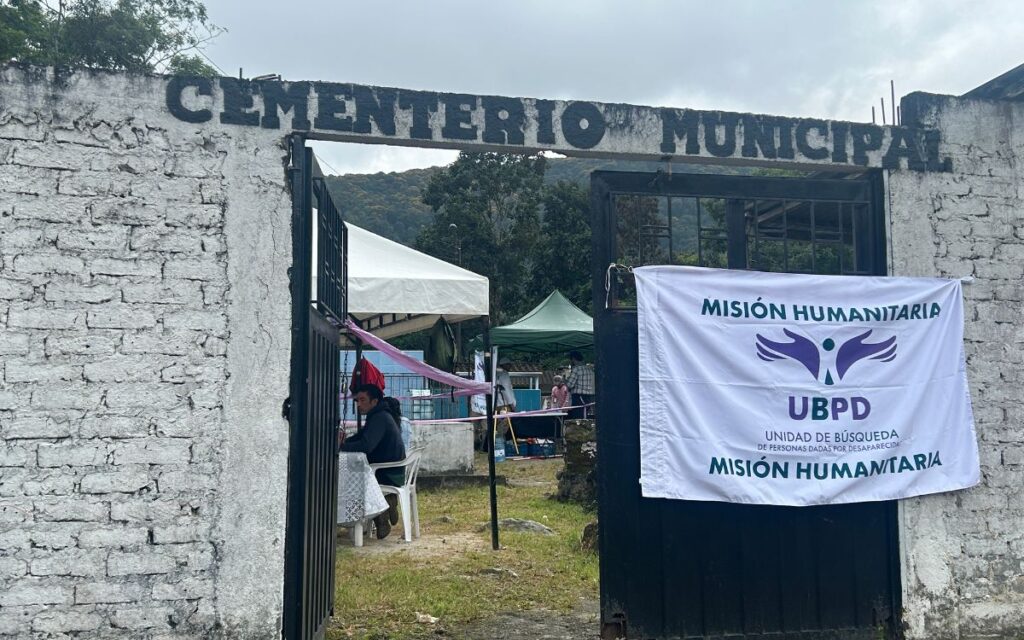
(406, 493)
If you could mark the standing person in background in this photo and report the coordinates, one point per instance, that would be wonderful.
(580, 383)
(504, 397)
(559, 393)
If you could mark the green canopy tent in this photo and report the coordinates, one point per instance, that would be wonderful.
(555, 325)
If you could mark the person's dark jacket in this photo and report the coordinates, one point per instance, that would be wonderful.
(381, 441)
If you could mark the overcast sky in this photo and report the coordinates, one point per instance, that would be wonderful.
(823, 58)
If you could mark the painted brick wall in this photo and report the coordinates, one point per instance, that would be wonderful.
(143, 359)
(963, 552)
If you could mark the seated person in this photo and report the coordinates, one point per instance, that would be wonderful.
(381, 440)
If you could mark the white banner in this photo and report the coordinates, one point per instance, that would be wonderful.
(786, 389)
(478, 404)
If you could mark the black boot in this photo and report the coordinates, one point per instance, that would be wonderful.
(382, 525)
(392, 501)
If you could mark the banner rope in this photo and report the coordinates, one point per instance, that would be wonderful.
(608, 280)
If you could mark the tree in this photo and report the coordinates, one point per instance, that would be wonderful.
(563, 256)
(133, 35)
(493, 200)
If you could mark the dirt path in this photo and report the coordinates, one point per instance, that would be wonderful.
(581, 624)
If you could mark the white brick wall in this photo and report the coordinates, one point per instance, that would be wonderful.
(118, 308)
(963, 570)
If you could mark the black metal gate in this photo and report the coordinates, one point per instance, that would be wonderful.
(318, 288)
(700, 570)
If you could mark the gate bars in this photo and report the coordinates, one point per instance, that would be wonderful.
(312, 409)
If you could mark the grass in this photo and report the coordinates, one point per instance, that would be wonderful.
(378, 595)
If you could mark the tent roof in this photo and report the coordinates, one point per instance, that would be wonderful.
(394, 290)
(554, 325)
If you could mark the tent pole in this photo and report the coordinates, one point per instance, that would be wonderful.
(489, 430)
(359, 355)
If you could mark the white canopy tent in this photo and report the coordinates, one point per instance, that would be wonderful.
(394, 290)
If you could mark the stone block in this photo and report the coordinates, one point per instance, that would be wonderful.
(13, 344)
(80, 345)
(115, 482)
(11, 482)
(153, 396)
(53, 483)
(89, 183)
(152, 451)
(215, 346)
(12, 568)
(46, 263)
(213, 322)
(146, 510)
(128, 563)
(196, 215)
(195, 556)
(34, 427)
(66, 396)
(13, 539)
(185, 589)
(126, 369)
(115, 537)
(207, 397)
(77, 292)
(30, 181)
(214, 245)
(15, 398)
(108, 239)
(114, 427)
(130, 211)
(120, 317)
(69, 563)
(174, 189)
(142, 618)
(119, 267)
(176, 292)
(40, 372)
(187, 481)
(15, 130)
(11, 289)
(74, 454)
(108, 593)
(27, 592)
(74, 620)
(205, 270)
(177, 534)
(71, 510)
(33, 318)
(166, 240)
(57, 209)
(54, 536)
(14, 620)
(174, 343)
(14, 455)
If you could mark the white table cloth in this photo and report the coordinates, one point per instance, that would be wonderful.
(359, 495)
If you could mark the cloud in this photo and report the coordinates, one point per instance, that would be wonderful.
(337, 158)
(787, 57)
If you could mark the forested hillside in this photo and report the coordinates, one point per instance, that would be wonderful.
(389, 204)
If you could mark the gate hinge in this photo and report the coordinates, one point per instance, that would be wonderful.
(286, 408)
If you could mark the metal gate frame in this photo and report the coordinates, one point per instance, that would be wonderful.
(636, 579)
(312, 409)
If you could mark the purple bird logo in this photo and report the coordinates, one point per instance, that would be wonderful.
(806, 352)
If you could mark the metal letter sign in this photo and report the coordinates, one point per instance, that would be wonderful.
(352, 112)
